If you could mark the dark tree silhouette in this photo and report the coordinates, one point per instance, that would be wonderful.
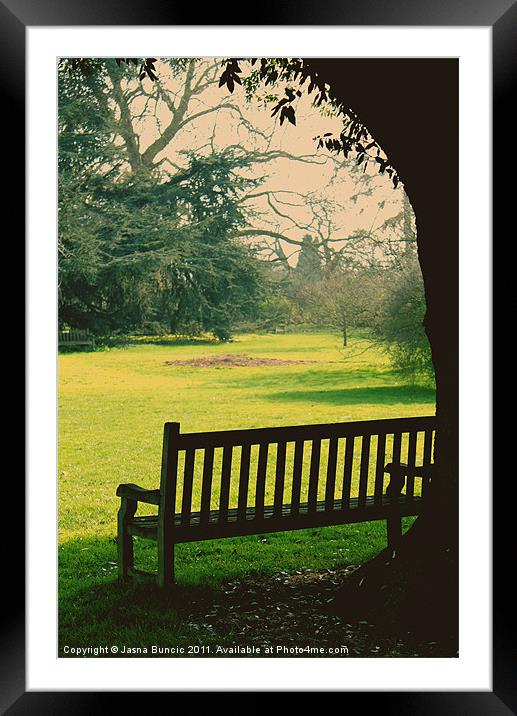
(354, 138)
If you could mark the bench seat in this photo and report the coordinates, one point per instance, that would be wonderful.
(193, 530)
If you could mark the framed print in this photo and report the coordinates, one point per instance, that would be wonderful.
(259, 413)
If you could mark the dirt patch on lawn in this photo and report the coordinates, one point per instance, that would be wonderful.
(234, 360)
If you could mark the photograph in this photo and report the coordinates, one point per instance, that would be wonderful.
(258, 369)
(254, 325)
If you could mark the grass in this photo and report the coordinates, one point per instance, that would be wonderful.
(112, 406)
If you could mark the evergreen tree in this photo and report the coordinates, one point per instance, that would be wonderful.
(138, 252)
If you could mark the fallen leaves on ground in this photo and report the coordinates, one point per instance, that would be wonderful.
(295, 609)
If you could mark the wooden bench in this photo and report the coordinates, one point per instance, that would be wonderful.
(234, 483)
(75, 338)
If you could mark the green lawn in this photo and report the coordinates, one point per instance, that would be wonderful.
(112, 406)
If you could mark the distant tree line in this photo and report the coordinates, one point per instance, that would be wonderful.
(388, 303)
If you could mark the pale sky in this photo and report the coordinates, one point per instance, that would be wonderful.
(226, 128)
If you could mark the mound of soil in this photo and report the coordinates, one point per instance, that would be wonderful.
(234, 360)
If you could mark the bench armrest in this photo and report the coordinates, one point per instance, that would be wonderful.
(398, 472)
(140, 494)
(422, 471)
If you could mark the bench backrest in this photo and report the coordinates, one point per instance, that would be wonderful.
(266, 467)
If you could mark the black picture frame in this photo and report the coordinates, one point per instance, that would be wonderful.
(15, 16)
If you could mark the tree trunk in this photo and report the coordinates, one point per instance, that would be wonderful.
(419, 583)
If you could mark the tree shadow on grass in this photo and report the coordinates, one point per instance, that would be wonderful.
(294, 381)
(381, 395)
(283, 610)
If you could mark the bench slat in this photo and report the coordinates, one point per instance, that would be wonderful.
(169, 471)
(261, 479)
(331, 473)
(397, 445)
(244, 477)
(297, 476)
(427, 456)
(279, 478)
(379, 468)
(188, 478)
(411, 460)
(226, 473)
(206, 488)
(364, 469)
(314, 473)
(347, 472)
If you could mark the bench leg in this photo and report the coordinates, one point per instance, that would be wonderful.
(165, 562)
(394, 529)
(125, 540)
